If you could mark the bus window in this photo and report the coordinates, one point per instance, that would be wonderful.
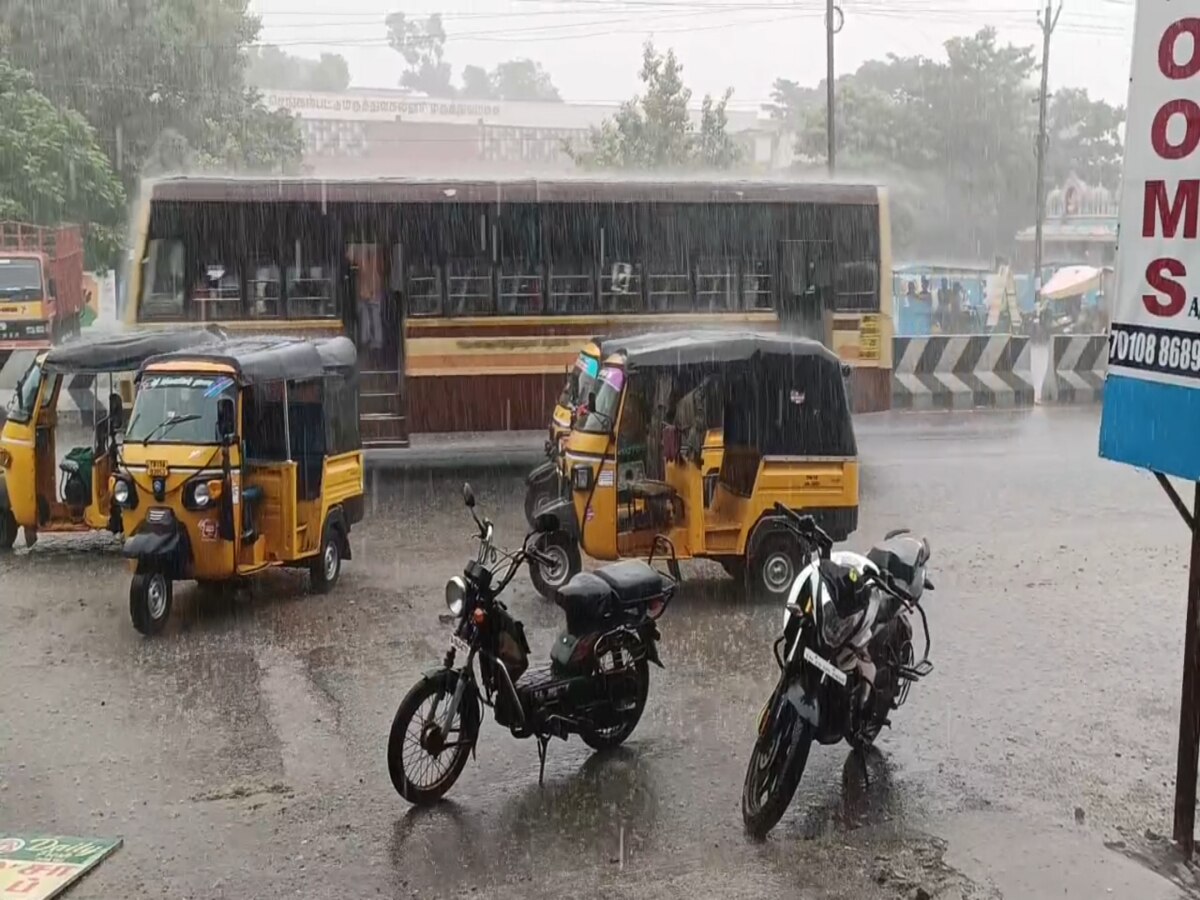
(470, 287)
(265, 289)
(571, 244)
(669, 284)
(716, 285)
(466, 244)
(217, 289)
(856, 252)
(620, 256)
(758, 288)
(517, 231)
(162, 280)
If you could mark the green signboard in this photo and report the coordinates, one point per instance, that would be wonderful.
(38, 867)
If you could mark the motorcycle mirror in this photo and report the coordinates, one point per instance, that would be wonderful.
(546, 523)
(928, 585)
(468, 495)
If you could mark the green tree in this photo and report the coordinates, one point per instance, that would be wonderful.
(477, 84)
(655, 130)
(272, 68)
(52, 170)
(1084, 138)
(422, 44)
(523, 79)
(140, 69)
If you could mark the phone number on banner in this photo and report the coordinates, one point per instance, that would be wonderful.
(1155, 350)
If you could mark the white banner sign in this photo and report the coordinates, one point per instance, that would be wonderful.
(1156, 314)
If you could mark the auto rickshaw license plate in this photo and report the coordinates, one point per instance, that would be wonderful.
(156, 468)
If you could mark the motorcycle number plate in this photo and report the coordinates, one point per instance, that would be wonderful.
(611, 661)
(819, 662)
(457, 643)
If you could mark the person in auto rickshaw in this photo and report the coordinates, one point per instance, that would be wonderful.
(239, 458)
(787, 437)
(40, 492)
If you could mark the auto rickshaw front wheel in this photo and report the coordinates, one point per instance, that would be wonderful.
(8, 529)
(150, 596)
(325, 568)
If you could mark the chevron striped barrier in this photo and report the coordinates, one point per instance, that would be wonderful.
(1075, 373)
(961, 372)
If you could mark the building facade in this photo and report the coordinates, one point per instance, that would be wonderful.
(389, 132)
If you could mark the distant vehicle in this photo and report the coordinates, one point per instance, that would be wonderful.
(41, 284)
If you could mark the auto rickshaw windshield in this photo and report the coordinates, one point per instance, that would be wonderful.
(176, 408)
(580, 381)
(608, 387)
(20, 404)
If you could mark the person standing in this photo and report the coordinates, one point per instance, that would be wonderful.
(369, 288)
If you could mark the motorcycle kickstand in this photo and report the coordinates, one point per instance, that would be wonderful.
(542, 741)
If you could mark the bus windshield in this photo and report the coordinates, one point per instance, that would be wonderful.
(178, 409)
(608, 387)
(581, 380)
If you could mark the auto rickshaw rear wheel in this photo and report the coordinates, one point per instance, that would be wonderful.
(564, 550)
(774, 568)
(325, 568)
(150, 596)
(8, 529)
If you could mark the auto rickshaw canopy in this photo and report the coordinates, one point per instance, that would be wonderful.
(124, 351)
(260, 359)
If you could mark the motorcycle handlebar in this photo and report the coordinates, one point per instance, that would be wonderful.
(806, 527)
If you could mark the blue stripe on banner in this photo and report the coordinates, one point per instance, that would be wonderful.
(1151, 425)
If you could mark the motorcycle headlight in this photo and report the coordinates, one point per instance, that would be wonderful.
(456, 595)
(121, 492)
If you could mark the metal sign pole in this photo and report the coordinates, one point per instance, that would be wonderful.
(1189, 704)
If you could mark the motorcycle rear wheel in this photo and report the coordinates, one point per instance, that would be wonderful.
(776, 767)
(406, 777)
(616, 735)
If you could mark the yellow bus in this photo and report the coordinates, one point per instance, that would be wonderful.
(469, 299)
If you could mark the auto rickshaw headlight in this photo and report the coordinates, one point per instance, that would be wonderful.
(456, 595)
(122, 493)
(581, 477)
(201, 497)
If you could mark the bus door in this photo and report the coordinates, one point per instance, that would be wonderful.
(805, 299)
(377, 322)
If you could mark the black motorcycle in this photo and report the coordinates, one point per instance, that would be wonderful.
(845, 658)
(595, 684)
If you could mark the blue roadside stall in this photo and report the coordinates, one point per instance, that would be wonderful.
(1151, 413)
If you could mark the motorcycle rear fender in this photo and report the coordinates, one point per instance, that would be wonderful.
(650, 640)
(804, 701)
(470, 699)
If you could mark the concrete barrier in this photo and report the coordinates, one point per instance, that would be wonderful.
(1075, 373)
(961, 372)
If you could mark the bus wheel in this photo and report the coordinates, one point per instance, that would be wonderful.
(8, 529)
(150, 595)
(327, 566)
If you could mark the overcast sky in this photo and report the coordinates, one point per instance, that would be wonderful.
(592, 47)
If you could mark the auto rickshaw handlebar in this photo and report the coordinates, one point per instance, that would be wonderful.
(806, 528)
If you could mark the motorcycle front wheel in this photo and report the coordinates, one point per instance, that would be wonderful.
(776, 767)
(423, 760)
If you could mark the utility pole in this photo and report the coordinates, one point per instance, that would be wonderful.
(1047, 22)
(829, 124)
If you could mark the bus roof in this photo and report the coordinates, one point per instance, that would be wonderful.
(266, 358)
(512, 190)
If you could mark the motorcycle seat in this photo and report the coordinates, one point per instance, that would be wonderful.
(632, 581)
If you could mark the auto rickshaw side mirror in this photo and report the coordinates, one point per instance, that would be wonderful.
(116, 412)
(468, 495)
(227, 420)
(546, 523)
(591, 400)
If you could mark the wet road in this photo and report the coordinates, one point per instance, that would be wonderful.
(241, 754)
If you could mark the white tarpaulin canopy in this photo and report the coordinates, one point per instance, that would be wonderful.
(1070, 281)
